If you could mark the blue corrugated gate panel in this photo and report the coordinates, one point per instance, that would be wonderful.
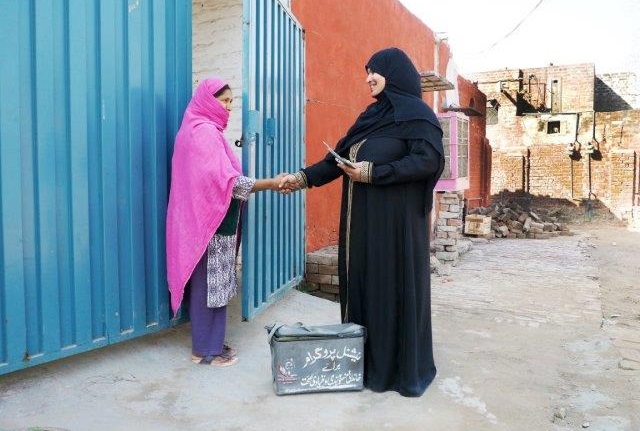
(273, 117)
(91, 95)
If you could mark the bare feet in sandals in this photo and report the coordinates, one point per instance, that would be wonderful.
(222, 360)
(229, 351)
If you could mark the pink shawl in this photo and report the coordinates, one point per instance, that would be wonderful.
(203, 170)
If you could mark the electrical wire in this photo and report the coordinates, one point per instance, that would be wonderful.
(514, 28)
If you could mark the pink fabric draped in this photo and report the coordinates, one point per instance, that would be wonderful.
(203, 172)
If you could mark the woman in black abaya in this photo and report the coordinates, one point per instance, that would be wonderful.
(396, 148)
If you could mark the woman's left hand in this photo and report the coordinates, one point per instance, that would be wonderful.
(354, 173)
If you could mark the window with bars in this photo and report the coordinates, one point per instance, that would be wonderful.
(446, 143)
(463, 147)
(455, 140)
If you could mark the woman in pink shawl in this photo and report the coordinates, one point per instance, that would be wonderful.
(207, 187)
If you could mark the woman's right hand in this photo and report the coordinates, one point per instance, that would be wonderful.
(288, 183)
(273, 184)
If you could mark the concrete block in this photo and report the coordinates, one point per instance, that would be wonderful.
(444, 241)
(446, 229)
(448, 215)
(477, 225)
(447, 255)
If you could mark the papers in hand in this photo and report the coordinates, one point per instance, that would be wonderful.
(338, 157)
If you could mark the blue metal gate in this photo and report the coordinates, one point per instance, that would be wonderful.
(273, 128)
(91, 95)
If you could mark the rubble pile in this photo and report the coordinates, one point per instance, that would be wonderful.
(509, 220)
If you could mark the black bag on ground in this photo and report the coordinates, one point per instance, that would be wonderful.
(320, 358)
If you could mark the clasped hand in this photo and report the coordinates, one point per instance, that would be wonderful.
(289, 183)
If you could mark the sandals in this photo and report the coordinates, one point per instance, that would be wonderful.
(215, 360)
(229, 351)
(226, 358)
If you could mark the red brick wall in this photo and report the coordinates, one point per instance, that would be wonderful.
(619, 129)
(623, 163)
(546, 170)
(553, 173)
(488, 163)
(338, 44)
(576, 88)
(507, 172)
(527, 157)
(478, 193)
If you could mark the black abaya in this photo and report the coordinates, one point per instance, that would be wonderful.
(384, 258)
(384, 226)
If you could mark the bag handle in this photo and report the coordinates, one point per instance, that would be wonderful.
(349, 328)
(273, 328)
(346, 329)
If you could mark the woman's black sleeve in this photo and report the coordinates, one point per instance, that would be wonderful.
(422, 161)
(322, 173)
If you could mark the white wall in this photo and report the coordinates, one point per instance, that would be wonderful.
(452, 97)
(217, 51)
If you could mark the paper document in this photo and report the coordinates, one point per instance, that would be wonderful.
(338, 157)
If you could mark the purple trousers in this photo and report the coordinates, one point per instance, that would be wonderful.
(208, 325)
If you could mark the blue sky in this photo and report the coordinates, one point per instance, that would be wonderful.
(606, 33)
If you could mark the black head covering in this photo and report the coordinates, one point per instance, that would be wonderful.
(402, 85)
(399, 110)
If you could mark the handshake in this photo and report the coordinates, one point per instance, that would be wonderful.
(286, 183)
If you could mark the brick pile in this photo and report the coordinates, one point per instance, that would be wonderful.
(510, 220)
(321, 277)
(448, 227)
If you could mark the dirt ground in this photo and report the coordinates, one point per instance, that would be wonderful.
(616, 251)
(529, 335)
(552, 328)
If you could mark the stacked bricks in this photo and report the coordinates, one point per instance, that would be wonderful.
(599, 110)
(621, 182)
(448, 226)
(507, 172)
(510, 220)
(322, 273)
